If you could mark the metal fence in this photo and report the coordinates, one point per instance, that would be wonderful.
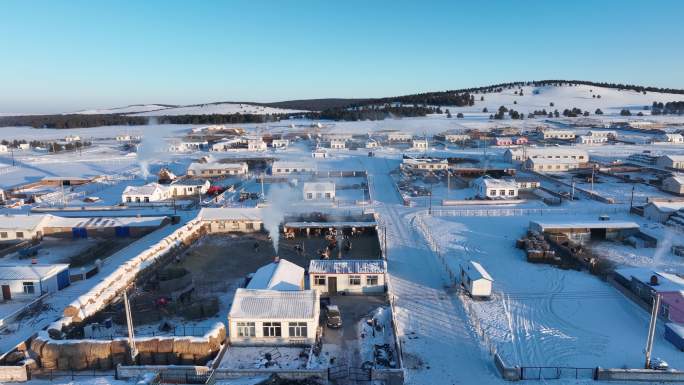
(517, 212)
(555, 373)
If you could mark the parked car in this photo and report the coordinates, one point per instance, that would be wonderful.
(333, 318)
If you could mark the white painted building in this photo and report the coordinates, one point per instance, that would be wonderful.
(419, 144)
(24, 146)
(425, 164)
(273, 318)
(227, 145)
(189, 187)
(230, 219)
(476, 280)
(338, 143)
(215, 169)
(4, 148)
(281, 275)
(372, 143)
(672, 138)
(127, 138)
(456, 138)
(256, 144)
(184, 146)
(151, 192)
(319, 153)
(28, 281)
(72, 138)
(610, 134)
(674, 184)
(280, 143)
(21, 227)
(399, 137)
(330, 277)
(521, 154)
(489, 188)
(286, 168)
(319, 191)
(591, 140)
(671, 161)
(558, 134)
(551, 165)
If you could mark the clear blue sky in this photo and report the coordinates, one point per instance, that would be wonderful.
(68, 55)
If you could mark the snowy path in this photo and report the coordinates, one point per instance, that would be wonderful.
(56, 302)
(438, 346)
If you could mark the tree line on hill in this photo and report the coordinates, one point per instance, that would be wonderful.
(669, 108)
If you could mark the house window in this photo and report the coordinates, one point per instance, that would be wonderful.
(355, 280)
(298, 329)
(20, 234)
(128, 199)
(511, 192)
(29, 288)
(272, 329)
(502, 192)
(246, 329)
(3, 234)
(327, 195)
(371, 280)
(147, 199)
(249, 226)
(492, 193)
(309, 196)
(222, 225)
(319, 280)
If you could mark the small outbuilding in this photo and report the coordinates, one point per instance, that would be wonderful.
(330, 277)
(27, 281)
(489, 188)
(661, 211)
(674, 184)
(319, 191)
(671, 161)
(475, 280)
(281, 275)
(151, 192)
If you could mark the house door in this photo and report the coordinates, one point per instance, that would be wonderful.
(332, 285)
(6, 294)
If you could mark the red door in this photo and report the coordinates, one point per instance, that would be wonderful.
(6, 294)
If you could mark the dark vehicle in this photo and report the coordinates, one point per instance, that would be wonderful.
(333, 318)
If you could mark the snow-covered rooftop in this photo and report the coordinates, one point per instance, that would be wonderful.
(353, 266)
(543, 226)
(230, 214)
(476, 271)
(30, 272)
(21, 222)
(217, 166)
(273, 304)
(319, 186)
(667, 282)
(102, 222)
(147, 189)
(282, 275)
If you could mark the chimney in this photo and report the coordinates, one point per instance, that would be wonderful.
(276, 259)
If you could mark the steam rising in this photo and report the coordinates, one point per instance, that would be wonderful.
(279, 198)
(150, 148)
(664, 247)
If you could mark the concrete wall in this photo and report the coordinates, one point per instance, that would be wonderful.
(228, 226)
(344, 286)
(506, 372)
(641, 375)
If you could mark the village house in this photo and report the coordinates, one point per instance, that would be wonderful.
(281, 275)
(319, 191)
(521, 154)
(280, 168)
(189, 187)
(24, 146)
(674, 184)
(319, 153)
(527, 183)
(72, 138)
(15, 228)
(128, 138)
(419, 144)
(372, 143)
(273, 318)
(591, 140)
(671, 138)
(215, 169)
(520, 140)
(661, 211)
(558, 134)
(489, 188)
(330, 277)
(228, 220)
(399, 137)
(338, 143)
(280, 143)
(551, 165)
(456, 138)
(609, 134)
(151, 192)
(671, 161)
(256, 143)
(184, 146)
(3, 148)
(29, 281)
(503, 141)
(228, 145)
(424, 164)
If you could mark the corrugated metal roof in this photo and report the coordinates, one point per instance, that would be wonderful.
(476, 271)
(29, 272)
(22, 222)
(350, 266)
(272, 304)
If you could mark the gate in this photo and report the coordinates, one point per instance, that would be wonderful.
(360, 374)
(338, 372)
(555, 372)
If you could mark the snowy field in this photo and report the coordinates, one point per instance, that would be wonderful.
(541, 315)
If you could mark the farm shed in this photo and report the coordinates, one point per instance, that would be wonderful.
(476, 280)
(286, 168)
(101, 226)
(215, 169)
(399, 137)
(189, 187)
(490, 188)
(281, 275)
(319, 190)
(674, 184)
(330, 277)
(661, 211)
(26, 281)
(424, 164)
(271, 317)
(588, 230)
(551, 165)
(419, 144)
(521, 154)
(671, 161)
(14, 228)
(226, 220)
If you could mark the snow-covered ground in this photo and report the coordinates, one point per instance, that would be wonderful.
(218, 108)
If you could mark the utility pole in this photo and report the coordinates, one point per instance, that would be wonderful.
(631, 200)
(129, 323)
(651, 330)
(572, 195)
(448, 182)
